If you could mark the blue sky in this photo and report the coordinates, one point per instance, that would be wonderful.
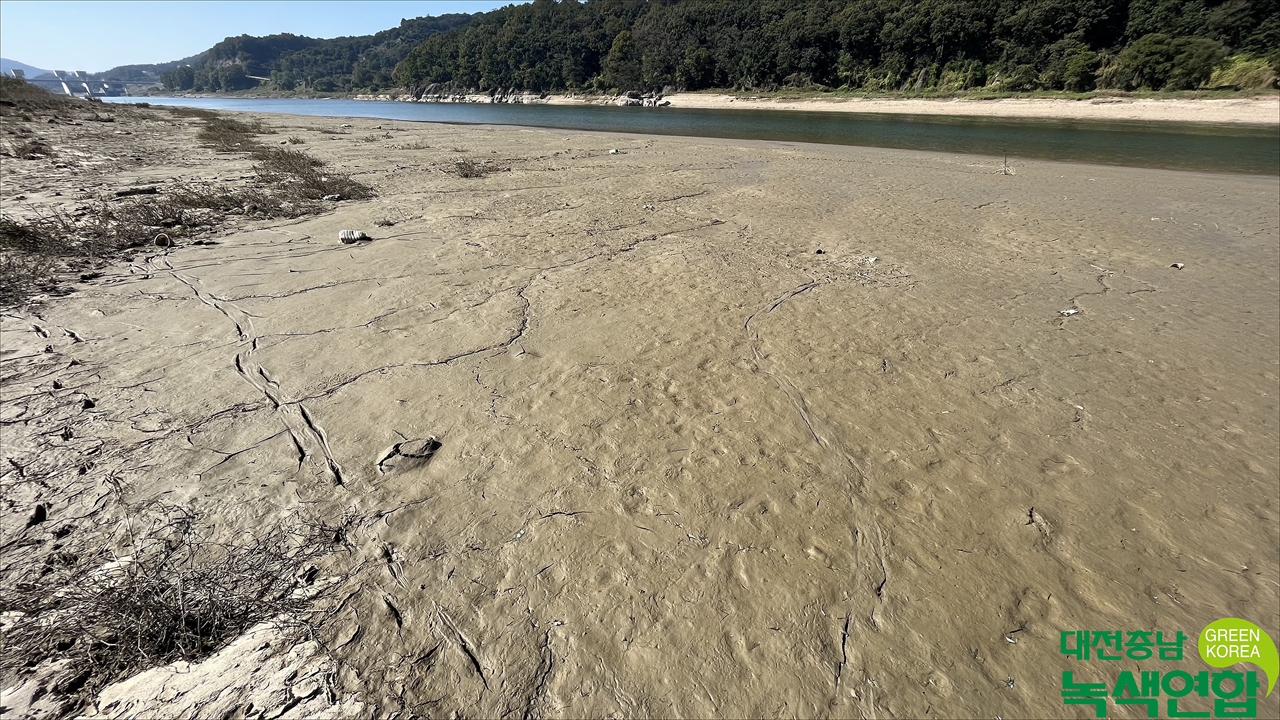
(97, 36)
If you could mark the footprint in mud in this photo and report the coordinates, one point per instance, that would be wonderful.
(408, 455)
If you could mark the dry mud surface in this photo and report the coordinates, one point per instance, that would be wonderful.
(683, 463)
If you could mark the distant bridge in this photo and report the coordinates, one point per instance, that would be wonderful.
(77, 83)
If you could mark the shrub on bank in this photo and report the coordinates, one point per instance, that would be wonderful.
(1244, 72)
(1160, 62)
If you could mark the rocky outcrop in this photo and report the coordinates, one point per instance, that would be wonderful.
(448, 92)
(632, 98)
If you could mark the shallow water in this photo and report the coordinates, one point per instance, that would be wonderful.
(1181, 146)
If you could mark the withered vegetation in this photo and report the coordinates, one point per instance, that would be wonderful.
(39, 244)
(157, 589)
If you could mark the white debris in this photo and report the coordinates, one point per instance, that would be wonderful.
(1177, 266)
(1069, 313)
(352, 236)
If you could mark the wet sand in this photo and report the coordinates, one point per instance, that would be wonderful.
(726, 428)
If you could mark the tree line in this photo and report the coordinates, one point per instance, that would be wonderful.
(294, 62)
(875, 45)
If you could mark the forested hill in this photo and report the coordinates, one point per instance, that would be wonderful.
(150, 73)
(289, 62)
(876, 45)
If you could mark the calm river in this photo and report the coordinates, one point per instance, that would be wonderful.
(1181, 146)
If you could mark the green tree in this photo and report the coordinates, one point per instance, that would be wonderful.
(1194, 62)
(622, 64)
(1081, 71)
(697, 70)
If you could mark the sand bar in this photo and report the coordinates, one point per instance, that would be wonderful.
(1262, 110)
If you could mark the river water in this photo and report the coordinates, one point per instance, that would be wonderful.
(1180, 146)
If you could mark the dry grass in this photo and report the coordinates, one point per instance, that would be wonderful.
(470, 169)
(23, 274)
(191, 112)
(33, 250)
(228, 135)
(16, 95)
(56, 233)
(173, 593)
(300, 177)
(36, 245)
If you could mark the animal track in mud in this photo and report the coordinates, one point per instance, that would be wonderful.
(408, 455)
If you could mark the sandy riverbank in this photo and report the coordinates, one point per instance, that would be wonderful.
(1263, 110)
(1259, 110)
(725, 428)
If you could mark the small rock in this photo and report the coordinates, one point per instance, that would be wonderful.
(1177, 266)
(1069, 313)
(871, 260)
(346, 125)
(88, 404)
(819, 251)
(347, 237)
(332, 198)
(614, 151)
(163, 240)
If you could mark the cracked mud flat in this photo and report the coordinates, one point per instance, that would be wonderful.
(619, 442)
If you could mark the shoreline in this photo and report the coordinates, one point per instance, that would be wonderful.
(1260, 110)
(1244, 111)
